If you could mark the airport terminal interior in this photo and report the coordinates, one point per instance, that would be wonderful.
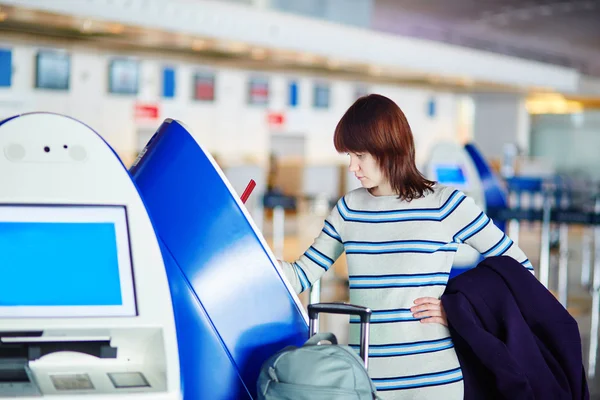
(158, 157)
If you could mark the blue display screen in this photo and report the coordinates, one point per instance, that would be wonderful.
(59, 264)
(124, 76)
(53, 70)
(451, 175)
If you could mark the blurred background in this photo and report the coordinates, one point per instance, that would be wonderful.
(263, 83)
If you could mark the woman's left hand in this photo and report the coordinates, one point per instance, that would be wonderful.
(430, 310)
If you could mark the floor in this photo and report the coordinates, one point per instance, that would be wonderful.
(300, 229)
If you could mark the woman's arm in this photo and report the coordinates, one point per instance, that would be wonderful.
(319, 257)
(467, 223)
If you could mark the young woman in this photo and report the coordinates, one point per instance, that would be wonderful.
(400, 232)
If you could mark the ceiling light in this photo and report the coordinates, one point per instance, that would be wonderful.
(436, 80)
(552, 103)
(258, 53)
(182, 40)
(87, 25)
(237, 47)
(374, 70)
(24, 14)
(116, 28)
(306, 58)
(198, 44)
(466, 81)
(333, 64)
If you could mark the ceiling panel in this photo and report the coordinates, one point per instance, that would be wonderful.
(562, 32)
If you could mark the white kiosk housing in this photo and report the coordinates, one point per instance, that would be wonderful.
(85, 306)
(451, 165)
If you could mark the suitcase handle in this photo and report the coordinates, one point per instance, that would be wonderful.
(347, 309)
(339, 308)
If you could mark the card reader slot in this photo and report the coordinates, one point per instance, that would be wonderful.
(12, 350)
(32, 350)
(10, 334)
(14, 375)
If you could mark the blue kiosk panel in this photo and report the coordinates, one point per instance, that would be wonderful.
(203, 345)
(495, 195)
(224, 281)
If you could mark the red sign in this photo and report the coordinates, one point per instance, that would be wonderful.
(204, 86)
(276, 118)
(146, 111)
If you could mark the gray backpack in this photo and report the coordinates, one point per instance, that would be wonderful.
(319, 372)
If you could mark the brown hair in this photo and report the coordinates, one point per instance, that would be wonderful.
(376, 125)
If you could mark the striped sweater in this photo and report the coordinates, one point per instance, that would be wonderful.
(398, 251)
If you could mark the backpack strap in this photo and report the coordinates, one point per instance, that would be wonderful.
(313, 341)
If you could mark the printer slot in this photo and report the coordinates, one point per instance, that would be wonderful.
(34, 348)
(13, 374)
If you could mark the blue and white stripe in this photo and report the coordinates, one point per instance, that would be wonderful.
(419, 381)
(527, 264)
(416, 214)
(398, 281)
(472, 229)
(304, 282)
(319, 258)
(499, 248)
(408, 348)
(330, 231)
(387, 316)
(398, 246)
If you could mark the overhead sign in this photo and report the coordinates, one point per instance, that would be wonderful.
(123, 76)
(204, 86)
(145, 111)
(321, 95)
(5, 67)
(293, 94)
(258, 91)
(276, 119)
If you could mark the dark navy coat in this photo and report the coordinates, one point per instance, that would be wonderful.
(513, 338)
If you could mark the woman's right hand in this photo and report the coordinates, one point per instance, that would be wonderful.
(429, 310)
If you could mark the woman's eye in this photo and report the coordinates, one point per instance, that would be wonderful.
(360, 155)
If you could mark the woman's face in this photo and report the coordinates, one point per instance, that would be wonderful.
(364, 166)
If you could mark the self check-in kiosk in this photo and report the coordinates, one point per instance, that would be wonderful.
(465, 169)
(232, 305)
(85, 305)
